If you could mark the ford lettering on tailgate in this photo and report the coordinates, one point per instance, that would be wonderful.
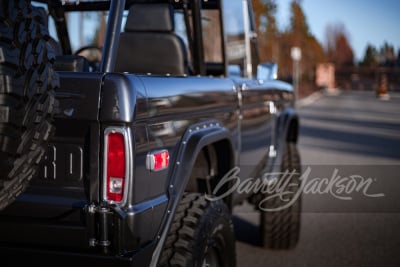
(63, 162)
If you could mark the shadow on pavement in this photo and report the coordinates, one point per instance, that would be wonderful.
(246, 232)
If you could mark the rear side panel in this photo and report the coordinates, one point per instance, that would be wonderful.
(175, 104)
(165, 108)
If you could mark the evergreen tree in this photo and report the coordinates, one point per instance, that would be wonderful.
(370, 57)
(387, 55)
(398, 58)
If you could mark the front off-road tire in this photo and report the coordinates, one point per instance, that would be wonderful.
(201, 234)
(27, 102)
(280, 229)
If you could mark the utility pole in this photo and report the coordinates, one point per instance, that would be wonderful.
(295, 53)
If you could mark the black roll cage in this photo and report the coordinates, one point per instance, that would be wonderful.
(192, 14)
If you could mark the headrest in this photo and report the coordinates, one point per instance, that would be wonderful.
(150, 17)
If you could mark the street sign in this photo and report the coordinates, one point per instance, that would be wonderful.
(295, 52)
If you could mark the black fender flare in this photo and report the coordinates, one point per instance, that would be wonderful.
(288, 119)
(193, 141)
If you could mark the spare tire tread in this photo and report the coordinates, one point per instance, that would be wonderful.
(27, 102)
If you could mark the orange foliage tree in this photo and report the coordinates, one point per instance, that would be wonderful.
(275, 45)
(299, 35)
(338, 48)
(267, 30)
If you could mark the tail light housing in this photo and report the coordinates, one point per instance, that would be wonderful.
(116, 167)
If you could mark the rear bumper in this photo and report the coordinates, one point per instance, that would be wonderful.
(20, 256)
(120, 237)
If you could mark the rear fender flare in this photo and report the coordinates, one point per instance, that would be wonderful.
(286, 118)
(193, 141)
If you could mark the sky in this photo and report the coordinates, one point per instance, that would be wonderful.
(366, 21)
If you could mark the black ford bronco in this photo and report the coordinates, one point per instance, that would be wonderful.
(130, 129)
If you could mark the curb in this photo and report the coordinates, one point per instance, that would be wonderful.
(308, 100)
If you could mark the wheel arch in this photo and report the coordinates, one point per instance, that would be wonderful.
(210, 139)
(288, 125)
(212, 163)
(292, 135)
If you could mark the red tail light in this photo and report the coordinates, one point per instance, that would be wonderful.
(115, 166)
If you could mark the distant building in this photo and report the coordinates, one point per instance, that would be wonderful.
(325, 75)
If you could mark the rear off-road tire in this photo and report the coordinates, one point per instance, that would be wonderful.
(201, 234)
(27, 102)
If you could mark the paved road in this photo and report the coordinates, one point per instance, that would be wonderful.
(355, 134)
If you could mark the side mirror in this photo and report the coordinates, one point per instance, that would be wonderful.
(234, 71)
(267, 71)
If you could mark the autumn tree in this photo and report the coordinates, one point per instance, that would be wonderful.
(298, 23)
(298, 34)
(267, 30)
(338, 48)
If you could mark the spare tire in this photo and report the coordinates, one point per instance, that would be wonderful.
(27, 103)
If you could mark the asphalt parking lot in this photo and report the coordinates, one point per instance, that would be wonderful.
(355, 134)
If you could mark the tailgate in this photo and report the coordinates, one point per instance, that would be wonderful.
(50, 212)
